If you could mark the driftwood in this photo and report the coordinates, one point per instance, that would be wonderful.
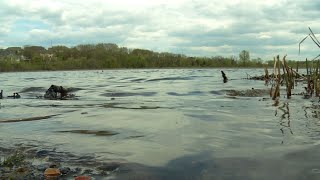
(225, 79)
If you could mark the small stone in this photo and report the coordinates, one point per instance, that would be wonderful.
(82, 178)
(65, 170)
(52, 172)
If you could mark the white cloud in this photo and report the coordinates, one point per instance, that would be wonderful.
(202, 27)
(264, 35)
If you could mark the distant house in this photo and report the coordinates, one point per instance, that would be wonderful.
(23, 58)
(46, 56)
(14, 50)
(12, 53)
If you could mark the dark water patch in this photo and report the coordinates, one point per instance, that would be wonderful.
(121, 86)
(125, 78)
(30, 79)
(217, 92)
(138, 80)
(196, 93)
(199, 76)
(93, 132)
(33, 89)
(125, 94)
(203, 166)
(176, 94)
(80, 106)
(232, 97)
(178, 169)
(101, 85)
(192, 93)
(134, 137)
(169, 79)
(74, 89)
(115, 106)
(311, 154)
(148, 107)
(28, 119)
(138, 88)
(203, 117)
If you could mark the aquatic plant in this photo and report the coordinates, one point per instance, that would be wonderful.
(312, 76)
(15, 159)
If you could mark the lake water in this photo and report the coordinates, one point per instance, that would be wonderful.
(168, 123)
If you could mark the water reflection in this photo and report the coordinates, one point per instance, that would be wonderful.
(285, 122)
(204, 166)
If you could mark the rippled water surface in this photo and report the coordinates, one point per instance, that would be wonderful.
(173, 123)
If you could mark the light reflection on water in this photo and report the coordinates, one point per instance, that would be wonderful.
(160, 115)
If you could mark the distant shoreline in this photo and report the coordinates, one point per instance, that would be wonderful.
(110, 69)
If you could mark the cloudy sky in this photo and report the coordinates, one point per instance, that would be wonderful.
(193, 27)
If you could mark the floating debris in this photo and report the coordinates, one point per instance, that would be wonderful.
(225, 79)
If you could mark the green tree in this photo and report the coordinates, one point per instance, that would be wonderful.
(257, 62)
(61, 52)
(244, 57)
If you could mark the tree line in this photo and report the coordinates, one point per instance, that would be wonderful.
(108, 55)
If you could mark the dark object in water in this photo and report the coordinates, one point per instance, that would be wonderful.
(56, 92)
(15, 96)
(1, 92)
(225, 79)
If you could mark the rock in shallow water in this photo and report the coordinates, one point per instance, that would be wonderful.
(52, 172)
